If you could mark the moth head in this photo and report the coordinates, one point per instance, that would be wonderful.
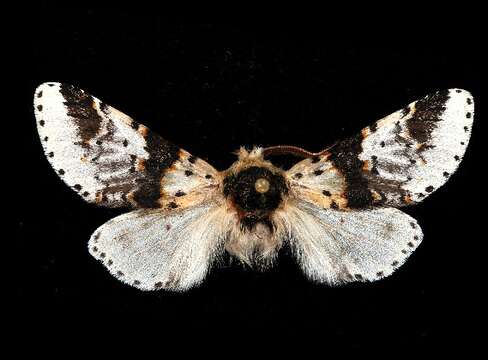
(254, 186)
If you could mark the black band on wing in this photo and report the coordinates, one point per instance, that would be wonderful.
(81, 109)
(427, 112)
(162, 154)
(345, 156)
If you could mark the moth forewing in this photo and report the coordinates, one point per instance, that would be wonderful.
(398, 160)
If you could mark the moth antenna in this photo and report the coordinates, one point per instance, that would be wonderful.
(293, 150)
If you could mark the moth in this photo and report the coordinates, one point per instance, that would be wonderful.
(335, 209)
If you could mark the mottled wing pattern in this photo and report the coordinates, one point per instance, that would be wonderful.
(111, 160)
(397, 161)
(155, 249)
(335, 247)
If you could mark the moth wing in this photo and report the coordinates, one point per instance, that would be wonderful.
(337, 247)
(397, 161)
(111, 160)
(154, 249)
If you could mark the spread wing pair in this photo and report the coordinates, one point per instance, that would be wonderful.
(398, 161)
(338, 217)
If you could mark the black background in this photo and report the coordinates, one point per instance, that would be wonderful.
(211, 89)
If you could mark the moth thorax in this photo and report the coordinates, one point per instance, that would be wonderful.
(255, 189)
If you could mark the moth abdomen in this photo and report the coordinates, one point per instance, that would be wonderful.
(249, 222)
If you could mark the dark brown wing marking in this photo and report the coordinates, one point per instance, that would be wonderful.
(162, 154)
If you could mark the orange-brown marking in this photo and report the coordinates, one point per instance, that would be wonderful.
(98, 197)
(142, 130)
(376, 195)
(365, 132)
(366, 165)
(141, 164)
(412, 109)
(182, 154)
(340, 201)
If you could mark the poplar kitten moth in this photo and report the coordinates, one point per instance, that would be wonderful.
(336, 209)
